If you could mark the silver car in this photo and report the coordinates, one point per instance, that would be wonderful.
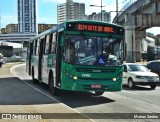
(137, 74)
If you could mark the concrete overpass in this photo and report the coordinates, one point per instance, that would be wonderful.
(137, 16)
(16, 37)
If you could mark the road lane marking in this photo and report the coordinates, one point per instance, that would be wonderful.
(12, 68)
(12, 71)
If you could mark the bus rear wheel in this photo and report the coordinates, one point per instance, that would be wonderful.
(98, 93)
(53, 89)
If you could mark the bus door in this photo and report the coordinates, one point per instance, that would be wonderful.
(29, 57)
(59, 58)
(45, 59)
(41, 51)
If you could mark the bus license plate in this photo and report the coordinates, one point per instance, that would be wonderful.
(96, 86)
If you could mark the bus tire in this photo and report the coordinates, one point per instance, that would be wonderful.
(35, 81)
(53, 89)
(98, 93)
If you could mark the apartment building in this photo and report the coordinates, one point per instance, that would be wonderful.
(70, 11)
(27, 16)
(104, 16)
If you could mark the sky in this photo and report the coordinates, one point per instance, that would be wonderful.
(47, 10)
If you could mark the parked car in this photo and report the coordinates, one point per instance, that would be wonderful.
(154, 66)
(137, 74)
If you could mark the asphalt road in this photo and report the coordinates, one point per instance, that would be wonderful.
(20, 98)
(139, 102)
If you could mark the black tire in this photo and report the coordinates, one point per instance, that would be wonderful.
(35, 81)
(98, 93)
(0, 65)
(53, 89)
(153, 86)
(131, 84)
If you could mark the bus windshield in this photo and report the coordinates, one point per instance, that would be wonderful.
(90, 50)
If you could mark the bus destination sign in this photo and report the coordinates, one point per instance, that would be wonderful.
(93, 28)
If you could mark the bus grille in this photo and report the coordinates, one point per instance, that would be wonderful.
(95, 70)
(96, 79)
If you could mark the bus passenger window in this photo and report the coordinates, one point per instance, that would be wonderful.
(53, 43)
(53, 48)
(47, 45)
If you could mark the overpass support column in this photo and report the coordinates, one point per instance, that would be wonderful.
(139, 35)
(130, 41)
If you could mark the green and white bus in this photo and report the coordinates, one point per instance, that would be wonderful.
(78, 56)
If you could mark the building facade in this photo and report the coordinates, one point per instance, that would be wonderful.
(3, 30)
(44, 27)
(11, 28)
(104, 16)
(70, 11)
(27, 16)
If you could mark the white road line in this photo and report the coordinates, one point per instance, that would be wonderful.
(129, 92)
(12, 71)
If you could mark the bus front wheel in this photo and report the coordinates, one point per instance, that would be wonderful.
(53, 89)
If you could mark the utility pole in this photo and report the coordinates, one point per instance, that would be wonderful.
(117, 10)
(101, 8)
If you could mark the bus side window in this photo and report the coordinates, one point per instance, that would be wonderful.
(44, 45)
(53, 44)
(47, 44)
(37, 47)
(28, 48)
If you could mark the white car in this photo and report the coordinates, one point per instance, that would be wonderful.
(137, 74)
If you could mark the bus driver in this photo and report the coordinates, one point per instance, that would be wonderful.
(70, 52)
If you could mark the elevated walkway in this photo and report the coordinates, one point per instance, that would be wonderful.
(16, 37)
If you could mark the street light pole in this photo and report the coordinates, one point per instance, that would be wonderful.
(117, 9)
(99, 6)
(101, 10)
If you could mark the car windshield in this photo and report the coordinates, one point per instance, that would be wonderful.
(137, 68)
(89, 50)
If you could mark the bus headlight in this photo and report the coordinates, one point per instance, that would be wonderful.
(114, 79)
(75, 78)
(70, 75)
